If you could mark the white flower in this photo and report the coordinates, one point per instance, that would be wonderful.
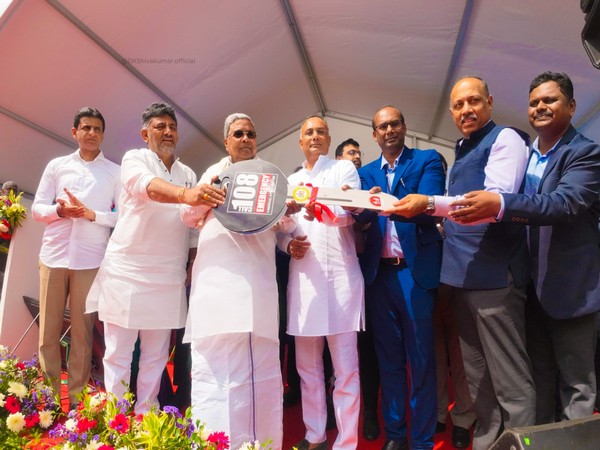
(3, 228)
(3, 364)
(18, 389)
(71, 424)
(15, 422)
(205, 433)
(3, 350)
(2, 397)
(94, 445)
(46, 418)
(97, 400)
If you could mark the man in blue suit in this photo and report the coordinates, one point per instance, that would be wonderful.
(559, 202)
(401, 267)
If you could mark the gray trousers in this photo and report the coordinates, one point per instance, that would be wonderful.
(562, 354)
(491, 325)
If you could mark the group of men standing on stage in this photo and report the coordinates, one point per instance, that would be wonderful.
(520, 214)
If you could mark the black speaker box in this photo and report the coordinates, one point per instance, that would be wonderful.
(577, 434)
(590, 35)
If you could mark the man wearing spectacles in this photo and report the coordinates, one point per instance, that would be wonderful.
(401, 266)
(233, 322)
(349, 149)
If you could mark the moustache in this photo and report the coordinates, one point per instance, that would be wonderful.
(468, 117)
(540, 115)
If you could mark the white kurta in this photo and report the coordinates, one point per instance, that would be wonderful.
(141, 281)
(326, 288)
(233, 324)
(234, 288)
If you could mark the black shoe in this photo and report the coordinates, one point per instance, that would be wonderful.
(461, 437)
(370, 426)
(392, 444)
(304, 445)
(440, 428)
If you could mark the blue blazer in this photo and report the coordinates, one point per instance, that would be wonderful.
(564, 239)
(418, 171)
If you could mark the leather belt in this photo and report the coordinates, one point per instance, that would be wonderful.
(393, 262)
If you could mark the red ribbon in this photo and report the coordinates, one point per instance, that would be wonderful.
(320, 208)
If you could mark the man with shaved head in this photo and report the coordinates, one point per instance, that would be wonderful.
(486, 265)
(325, 295)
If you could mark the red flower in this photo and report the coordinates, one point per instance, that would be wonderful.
(84, 424)
(120, 423)
(32, 420)
(12, 405)
(105, 447)
(20, 366)
(220, 439)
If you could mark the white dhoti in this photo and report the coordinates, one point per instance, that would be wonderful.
(237, 387)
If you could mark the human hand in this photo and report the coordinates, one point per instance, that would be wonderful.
(475, 206)
(298, 247)
(409, 206)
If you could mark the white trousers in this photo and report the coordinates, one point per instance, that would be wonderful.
(237, 387)
(154, 353)
(346, 392)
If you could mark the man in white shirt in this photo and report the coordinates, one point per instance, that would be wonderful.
(140, 287)
(325, 295)
(76, 198)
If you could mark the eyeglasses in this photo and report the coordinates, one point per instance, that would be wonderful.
(382, 127)
(240, 134)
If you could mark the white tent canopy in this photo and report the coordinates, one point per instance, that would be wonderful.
(276, 60)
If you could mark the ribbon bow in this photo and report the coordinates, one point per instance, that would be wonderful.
(320, 208)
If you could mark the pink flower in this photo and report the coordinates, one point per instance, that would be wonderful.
(105, 447)
(220, 439)
(120, 423)
(12, 405)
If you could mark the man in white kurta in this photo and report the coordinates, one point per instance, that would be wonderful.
(140, 286)
(233, 319)
(326, 296)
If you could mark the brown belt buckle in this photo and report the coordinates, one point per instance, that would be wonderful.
(397, 261)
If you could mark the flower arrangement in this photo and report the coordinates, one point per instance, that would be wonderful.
(103, 422)
(28, 404)
(12, 214)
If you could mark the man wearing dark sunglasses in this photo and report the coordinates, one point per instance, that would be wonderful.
(233, 322)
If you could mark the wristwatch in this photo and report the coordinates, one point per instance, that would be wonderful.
(430, 205)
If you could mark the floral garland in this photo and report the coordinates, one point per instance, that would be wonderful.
(12, 214)
(30, 411)
(28, 405)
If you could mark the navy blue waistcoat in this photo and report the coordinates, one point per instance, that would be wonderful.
(481, 256)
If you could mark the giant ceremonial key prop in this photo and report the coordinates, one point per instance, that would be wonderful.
(257, 192)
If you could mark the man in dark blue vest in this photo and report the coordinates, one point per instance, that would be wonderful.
(486, 265)
(559, 202)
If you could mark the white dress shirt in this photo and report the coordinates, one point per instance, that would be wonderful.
(504, 171)
(77, 244)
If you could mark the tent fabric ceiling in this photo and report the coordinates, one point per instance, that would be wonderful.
(276, 60)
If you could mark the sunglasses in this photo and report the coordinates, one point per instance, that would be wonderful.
(240, 134)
